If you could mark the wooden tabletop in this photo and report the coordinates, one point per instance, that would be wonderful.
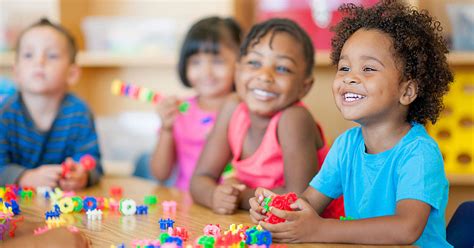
(115, 229)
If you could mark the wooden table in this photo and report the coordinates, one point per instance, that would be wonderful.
(115, 229)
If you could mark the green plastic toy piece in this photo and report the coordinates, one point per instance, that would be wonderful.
(184, 106)
(150, 200)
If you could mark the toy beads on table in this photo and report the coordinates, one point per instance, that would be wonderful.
(150, 200)
(169, 206)
(282, 202)
(120, 88)
(87, 162)
(128, 207)
(66, 205)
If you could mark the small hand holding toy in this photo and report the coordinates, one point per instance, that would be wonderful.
(282, 202)
(87, 162)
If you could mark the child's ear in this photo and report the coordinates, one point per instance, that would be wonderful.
(307, 84)
(409, 92)
(73, 74)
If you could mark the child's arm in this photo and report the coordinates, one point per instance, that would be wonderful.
(305, 225)
(299, 140)
(164, 156)
(204, 188)
(57, 237)
(86, 142)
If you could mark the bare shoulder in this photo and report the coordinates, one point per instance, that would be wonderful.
(297, 116)
(228, 107)
(297, 122)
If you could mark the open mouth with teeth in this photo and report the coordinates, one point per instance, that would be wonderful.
(351, 97)
(263, 94)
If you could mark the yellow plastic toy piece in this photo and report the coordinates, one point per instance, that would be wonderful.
(454, 131)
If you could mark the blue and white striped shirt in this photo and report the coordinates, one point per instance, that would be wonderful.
(23, 146)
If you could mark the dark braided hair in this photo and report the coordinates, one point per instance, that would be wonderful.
(275, 25)
(417, 45)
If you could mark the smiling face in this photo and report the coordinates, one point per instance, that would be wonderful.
(367, 87)
(212, 75)
(43, 64)
(271, 76)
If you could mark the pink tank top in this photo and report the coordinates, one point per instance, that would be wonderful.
(264, 168)
(190, 133)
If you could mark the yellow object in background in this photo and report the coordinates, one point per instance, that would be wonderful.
(454, 131)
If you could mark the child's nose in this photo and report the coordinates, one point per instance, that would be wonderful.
(40, 59)
(265, 75)
(351, 79)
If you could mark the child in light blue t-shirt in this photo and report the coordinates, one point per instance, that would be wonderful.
(392, 75)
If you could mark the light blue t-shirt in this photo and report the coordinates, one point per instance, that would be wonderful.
(372, 184)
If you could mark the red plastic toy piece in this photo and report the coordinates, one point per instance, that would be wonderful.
(116, 192)
(282, 202)
(88, 162)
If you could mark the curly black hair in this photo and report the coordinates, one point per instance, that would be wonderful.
(275, 25)
(205, 36)
(44, 22)
(418, 46)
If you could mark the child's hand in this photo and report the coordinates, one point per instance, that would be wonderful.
(168, 110)
(300, 225)
(45, 175)
(62, 237)
(75, 179)
(225, 199)
(257, 212)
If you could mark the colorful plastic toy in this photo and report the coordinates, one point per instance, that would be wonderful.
(150, 200)
(87, 162)
(282, 202)
(128, 207)
(179, 232)
(212, 230)
(121, 88)
(77, 203)
(169, 206)
(89, 203)
(95, 214)
(142, 209)
(346, 218)
(66, 205)
(166, 223)
(116, 192)
(454, 131)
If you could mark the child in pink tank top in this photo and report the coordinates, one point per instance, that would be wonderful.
(206, 64)
(270, 137)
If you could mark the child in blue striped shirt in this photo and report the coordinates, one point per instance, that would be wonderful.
(43, 124)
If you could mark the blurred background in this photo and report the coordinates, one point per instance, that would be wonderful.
(137, 41)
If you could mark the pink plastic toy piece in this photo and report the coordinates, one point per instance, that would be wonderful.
(212, 230)
(41, 230)
(73, 229)
(169, 206)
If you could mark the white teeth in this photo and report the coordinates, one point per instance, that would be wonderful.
(350, 97)
(263, 93)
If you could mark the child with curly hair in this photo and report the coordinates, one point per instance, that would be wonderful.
(392, 75)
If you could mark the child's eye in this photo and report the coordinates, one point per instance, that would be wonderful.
(283, 69)
(254, 63)
(369, 69)
(27, 55)
(344, 68)
(218, 61)
(53, 56)
(194, 61)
